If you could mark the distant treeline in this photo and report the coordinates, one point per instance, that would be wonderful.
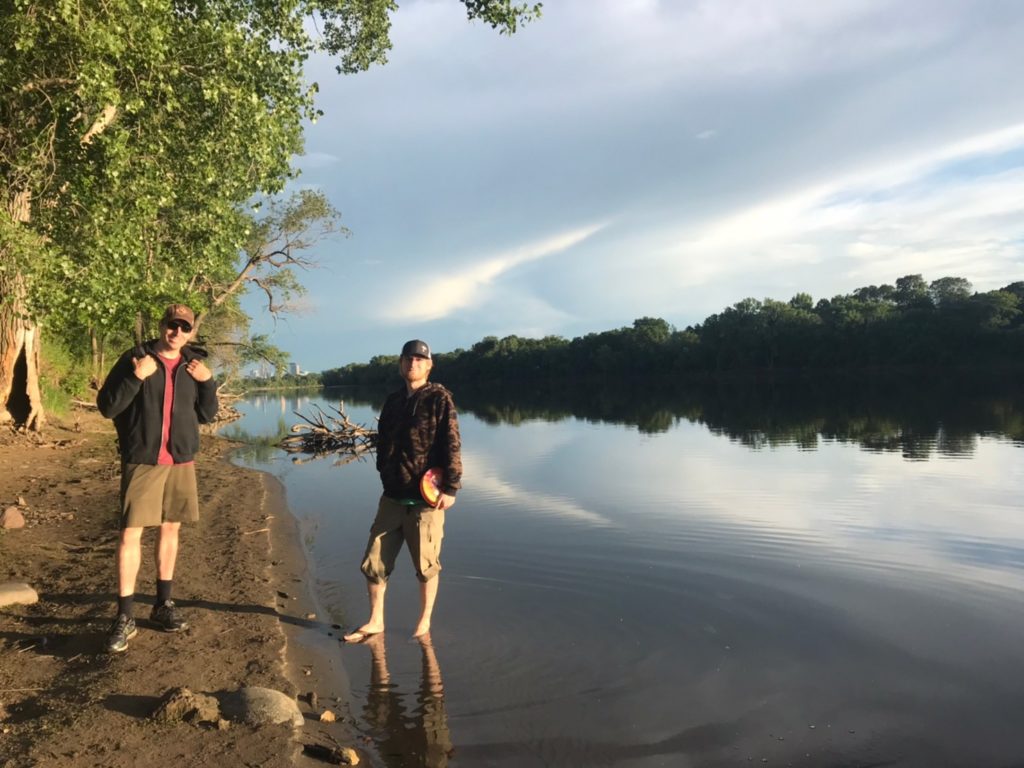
(279, 383)
(912, 324)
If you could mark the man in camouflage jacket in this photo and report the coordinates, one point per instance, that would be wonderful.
(418, 430)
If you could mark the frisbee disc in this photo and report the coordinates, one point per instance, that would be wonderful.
(430, 485)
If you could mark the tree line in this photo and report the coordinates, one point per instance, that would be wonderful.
(145, 146)
(910, 324)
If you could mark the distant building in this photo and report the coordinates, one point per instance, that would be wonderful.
(262, 371)
(294, 369)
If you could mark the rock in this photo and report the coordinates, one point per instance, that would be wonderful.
(310, 616)
(181, 705)
(327, 716)
(22, 502)
(337, 756)
(17, 593)
(312, 699)
(12, 518)
(260, 706)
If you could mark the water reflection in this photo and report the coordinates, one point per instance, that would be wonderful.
(918, 419)
(406, 733)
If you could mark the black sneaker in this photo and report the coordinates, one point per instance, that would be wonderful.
(121, 631)
(166, 616)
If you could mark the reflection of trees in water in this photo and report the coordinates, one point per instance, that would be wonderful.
(256, 448)
(917, 417)
(407, 737)
(893, 415)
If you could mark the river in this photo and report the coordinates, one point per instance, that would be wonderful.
(711, 580)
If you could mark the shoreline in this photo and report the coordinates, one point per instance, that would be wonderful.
(242, 581)
(312, 657)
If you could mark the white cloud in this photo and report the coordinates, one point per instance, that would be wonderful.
(439, 297)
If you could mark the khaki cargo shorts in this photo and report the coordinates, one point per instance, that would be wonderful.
(420, 526)
(151, 495)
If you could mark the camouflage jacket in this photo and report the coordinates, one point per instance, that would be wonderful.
(416, 433)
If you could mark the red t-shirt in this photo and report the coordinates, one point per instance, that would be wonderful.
(170, 366)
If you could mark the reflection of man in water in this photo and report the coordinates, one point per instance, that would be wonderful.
(420, 738)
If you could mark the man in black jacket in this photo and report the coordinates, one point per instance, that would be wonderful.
(157, 394)
(418, 430)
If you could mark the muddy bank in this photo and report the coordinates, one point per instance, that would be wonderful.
(240, 579)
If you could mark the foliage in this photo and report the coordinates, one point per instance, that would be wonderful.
(282, 381)
(911, 324)
(135, 134)
(272, 252)
(63, 377)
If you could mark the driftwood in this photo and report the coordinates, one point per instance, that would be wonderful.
(324, 434)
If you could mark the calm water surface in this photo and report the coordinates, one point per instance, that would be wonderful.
(697, 593)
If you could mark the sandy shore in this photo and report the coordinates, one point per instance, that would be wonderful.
(240, 578)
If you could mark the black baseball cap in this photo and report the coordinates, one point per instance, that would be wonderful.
(416, 348)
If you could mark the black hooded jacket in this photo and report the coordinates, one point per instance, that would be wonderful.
(136, 406)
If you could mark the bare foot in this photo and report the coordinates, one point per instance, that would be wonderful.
(363, 633)
(423, 628)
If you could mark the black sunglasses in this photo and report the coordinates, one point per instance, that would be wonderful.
(180, 325)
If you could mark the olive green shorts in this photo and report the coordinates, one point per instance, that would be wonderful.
(155, 494)
(420, 526)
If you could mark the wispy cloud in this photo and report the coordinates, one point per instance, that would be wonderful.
(316, 160)
(938, 210)
(439, 297)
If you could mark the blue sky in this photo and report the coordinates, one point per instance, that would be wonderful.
(627, 158)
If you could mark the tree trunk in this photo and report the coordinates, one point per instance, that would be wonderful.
(20, 399)
(96, 357)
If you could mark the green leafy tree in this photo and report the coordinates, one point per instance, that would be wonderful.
(949, 291)
(912, 293)
(132, 135)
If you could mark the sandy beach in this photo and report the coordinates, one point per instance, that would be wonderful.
(240, 579)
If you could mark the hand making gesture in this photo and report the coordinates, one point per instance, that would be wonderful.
(145, 366)
(198, 370)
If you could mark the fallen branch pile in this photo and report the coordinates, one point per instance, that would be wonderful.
(324, 434)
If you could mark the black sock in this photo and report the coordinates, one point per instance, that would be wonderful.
(163, 591)
(126, 605)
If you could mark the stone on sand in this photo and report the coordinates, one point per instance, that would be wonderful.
(260, 706)
(12, 518)
(17, 593)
